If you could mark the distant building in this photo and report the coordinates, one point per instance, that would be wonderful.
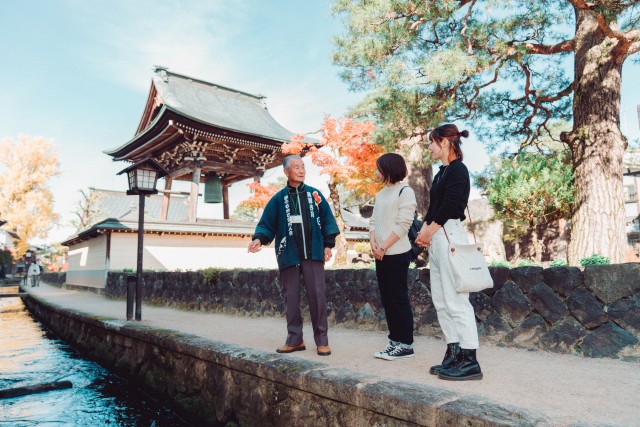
(631, 182)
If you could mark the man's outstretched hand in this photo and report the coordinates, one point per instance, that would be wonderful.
(254, 246)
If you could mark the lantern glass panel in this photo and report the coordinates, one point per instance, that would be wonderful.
(132, 179)
(146, 179)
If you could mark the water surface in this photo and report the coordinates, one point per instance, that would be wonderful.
(29, 355)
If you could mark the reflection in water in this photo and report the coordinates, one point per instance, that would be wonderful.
(31, 355)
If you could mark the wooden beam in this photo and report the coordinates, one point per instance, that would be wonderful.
(225, 201)
(193, 197)
(165, 199)
(231, 168)
(220, 168)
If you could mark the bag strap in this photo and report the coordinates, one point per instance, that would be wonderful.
(472, 228)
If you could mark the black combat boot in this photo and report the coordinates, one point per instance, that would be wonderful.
(466, 367)
(449, 357)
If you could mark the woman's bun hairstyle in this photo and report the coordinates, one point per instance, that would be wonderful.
(464, 133)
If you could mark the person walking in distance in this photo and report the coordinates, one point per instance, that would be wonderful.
(388, 229)
(449, 196)
(305, 230)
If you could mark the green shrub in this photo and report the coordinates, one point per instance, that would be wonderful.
(528, 263)
(558, 263)
(500, 263)
(210, 274)
(595, 259)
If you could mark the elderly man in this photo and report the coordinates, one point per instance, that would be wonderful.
(300, 220)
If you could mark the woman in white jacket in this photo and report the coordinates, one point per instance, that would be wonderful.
(388, 228)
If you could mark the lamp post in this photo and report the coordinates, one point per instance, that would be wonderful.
(142, 177)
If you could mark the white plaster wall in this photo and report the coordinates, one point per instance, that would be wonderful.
(184, 252)
(87, 262)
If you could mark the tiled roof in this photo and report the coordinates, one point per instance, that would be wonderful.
(218, 105)
(117, 204)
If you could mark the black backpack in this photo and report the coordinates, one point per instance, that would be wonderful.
(415, 228)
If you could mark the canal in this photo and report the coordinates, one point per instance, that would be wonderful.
(29, 355)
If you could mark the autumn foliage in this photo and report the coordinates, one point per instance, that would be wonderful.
(26, 202)
(261, 194)
(345, 153)
(347, 156)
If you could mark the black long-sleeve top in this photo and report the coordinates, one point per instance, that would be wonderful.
(449, 193)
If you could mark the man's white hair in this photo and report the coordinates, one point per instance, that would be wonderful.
(287, 160)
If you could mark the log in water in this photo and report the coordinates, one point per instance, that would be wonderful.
(33, 389)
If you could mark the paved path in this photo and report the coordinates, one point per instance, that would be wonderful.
(568, 390)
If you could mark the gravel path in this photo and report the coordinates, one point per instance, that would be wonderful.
(569, 390)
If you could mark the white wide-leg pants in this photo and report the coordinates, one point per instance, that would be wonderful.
(455, 313)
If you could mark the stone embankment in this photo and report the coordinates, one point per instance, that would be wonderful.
(593, 313)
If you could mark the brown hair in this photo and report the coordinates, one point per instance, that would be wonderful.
(392, 167)
(451, 133)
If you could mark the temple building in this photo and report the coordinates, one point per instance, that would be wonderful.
(210, 136)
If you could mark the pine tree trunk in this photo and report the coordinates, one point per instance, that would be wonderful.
(340, 259)
(420, 172)
(538, 241)
(597, 224)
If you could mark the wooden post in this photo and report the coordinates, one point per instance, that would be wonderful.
(260, 210)
(165, 199)
(225, 201)
(193, 196)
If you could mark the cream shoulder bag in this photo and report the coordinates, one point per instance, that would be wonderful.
(469, 267)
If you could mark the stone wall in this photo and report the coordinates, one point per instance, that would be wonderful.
(55, 279)
(219, 384)
(595, 312)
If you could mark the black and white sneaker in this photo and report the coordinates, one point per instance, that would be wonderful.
(398, 352)
(379, 354)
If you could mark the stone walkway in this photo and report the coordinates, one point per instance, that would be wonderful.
(556, 389)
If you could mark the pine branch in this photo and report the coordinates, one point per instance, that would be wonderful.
(541, 49)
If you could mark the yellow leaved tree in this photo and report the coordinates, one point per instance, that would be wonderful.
(26, 203)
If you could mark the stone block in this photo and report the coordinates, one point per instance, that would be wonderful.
(528, 334)
(611, 283)
(526, 277)
(482, 304)
(626, 313)
(419, 295)
(428, 318)
(563, 279)
(344, 313)
(586, 308)
(366, 315)
(424, 276)
(499, 275)
(607, 341)
(563, 338)
(550, 306)
(493, 326)
(511, 303)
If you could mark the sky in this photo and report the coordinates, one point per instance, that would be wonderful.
(78, 72)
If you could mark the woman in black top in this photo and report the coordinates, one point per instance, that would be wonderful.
(449, 196)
